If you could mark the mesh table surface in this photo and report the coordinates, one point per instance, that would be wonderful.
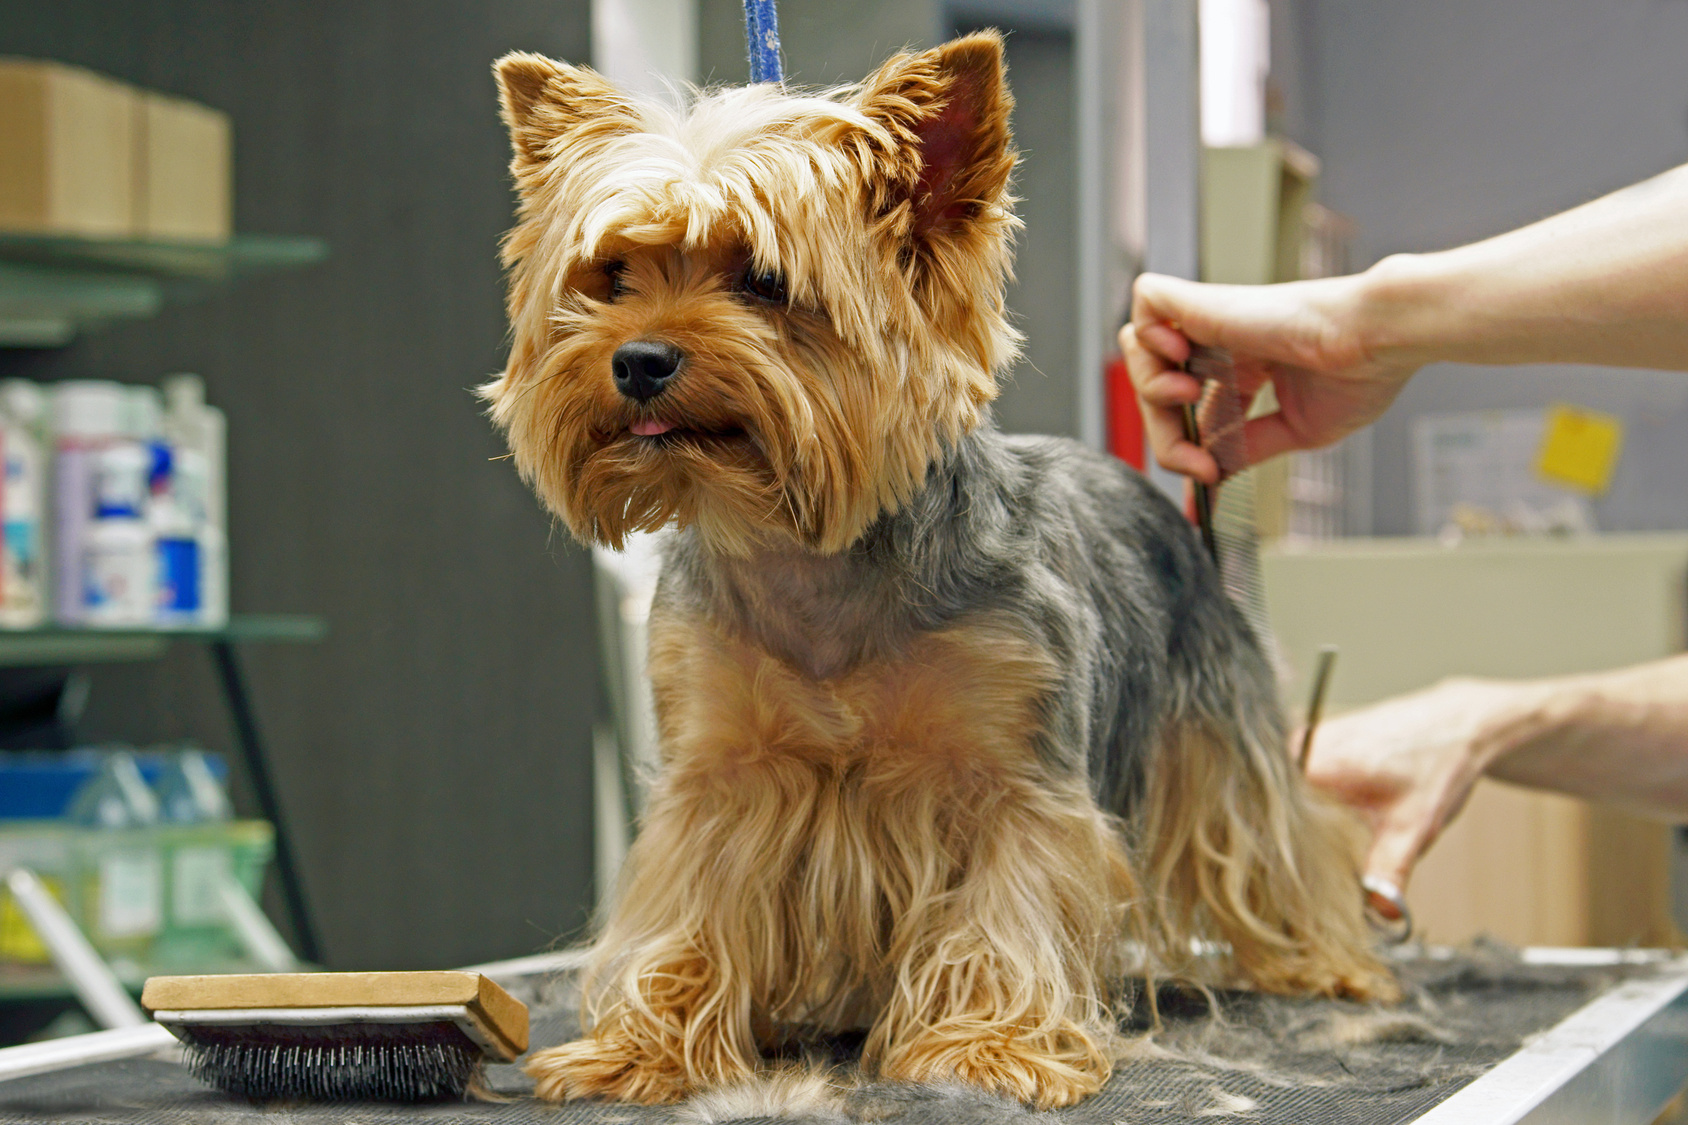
(1264, 1060)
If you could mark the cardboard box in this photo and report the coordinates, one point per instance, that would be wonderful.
(67, 151)
(184, 172)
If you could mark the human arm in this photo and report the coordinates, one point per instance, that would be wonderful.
(1603, 283)
(1408, 764)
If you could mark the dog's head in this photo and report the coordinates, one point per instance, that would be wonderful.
(765, 315)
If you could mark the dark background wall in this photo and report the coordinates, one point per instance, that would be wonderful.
(433, 752)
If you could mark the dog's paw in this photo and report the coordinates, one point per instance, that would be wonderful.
(610, 1068)
(1011, 1068)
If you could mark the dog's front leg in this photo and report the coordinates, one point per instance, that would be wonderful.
(666, 1009)
(1002, 980)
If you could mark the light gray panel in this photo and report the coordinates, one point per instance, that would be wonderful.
(824, 42)
(1040, 396)
(1171, 61)
(1447, 121)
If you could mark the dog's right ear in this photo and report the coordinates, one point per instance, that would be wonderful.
(544, 101)
(947, 110)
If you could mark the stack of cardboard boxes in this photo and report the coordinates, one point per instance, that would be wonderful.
(86, 155)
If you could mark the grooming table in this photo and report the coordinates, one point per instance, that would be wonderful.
(1485, 1037)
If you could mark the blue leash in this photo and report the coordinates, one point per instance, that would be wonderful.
(762, 29)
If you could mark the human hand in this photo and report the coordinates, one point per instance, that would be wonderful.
(1304, 337)
(1408, 764)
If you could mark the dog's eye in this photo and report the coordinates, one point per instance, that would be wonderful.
(614, 271)
(764, 285)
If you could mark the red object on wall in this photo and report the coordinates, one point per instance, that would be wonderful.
(1125, 421)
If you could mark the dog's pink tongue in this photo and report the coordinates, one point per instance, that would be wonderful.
(651, 428)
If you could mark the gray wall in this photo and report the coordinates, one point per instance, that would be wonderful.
(434, 751)
(824, 42)
(1445, 121)
(1040, 396)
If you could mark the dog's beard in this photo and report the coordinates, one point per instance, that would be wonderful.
(716, 478)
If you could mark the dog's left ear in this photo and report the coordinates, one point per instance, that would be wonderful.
(546, 103)
(947, 110)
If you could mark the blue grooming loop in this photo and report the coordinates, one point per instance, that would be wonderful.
(762, 29)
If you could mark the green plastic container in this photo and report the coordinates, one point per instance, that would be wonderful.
(140, 894)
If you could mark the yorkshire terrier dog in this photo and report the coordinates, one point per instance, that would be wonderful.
(959, 732)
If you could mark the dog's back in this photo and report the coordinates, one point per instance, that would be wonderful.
(1121, 586)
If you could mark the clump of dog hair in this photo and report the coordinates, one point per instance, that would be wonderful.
(816, 1096)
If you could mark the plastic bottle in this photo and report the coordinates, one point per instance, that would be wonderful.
(173, 515)
(88, 416)
(175, 532)
(120, 560)
(23, 499)
(197, 435)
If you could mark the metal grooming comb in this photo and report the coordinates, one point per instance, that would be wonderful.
(1226, 515)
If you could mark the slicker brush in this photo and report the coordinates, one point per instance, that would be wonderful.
(341, 1036)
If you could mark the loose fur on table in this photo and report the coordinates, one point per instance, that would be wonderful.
(956, 727)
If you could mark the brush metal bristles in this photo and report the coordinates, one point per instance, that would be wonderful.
(336, 1062)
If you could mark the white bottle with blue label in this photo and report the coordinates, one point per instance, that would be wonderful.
(120, 568)
(176, 514)
(120, 587)
(88, 417)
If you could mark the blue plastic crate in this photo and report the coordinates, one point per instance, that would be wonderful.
(39, 784)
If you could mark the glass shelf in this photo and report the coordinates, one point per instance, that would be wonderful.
(199, 261)
(56, 645)
(52, 286)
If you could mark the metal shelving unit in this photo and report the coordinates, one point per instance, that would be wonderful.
(53, 645)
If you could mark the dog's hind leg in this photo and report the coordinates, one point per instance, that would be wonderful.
(1234, 846)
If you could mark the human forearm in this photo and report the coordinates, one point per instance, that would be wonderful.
(1604, 283)
(1407, 764)
(1619, 737)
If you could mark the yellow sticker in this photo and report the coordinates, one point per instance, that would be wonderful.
(1579, 448)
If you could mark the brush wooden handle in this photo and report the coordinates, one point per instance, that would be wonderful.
(491, 1005)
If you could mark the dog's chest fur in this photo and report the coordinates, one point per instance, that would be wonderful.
(935, 708)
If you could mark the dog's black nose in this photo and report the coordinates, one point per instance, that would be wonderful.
(644, 367)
